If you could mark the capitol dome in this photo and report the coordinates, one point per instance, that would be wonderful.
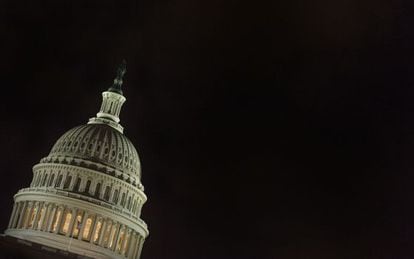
(97, 143)
(86, 196)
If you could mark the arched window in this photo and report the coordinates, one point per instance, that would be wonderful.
(123, 199)
(59, 181)
(77, 184)
(98, 190)
(129, 202)
(88, 185)
(52, 177)
(67, 182)
(115, 199)
(107, 193)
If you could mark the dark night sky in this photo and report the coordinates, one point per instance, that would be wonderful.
(266, 129)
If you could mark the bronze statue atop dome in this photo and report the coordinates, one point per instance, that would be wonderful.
(116, 87)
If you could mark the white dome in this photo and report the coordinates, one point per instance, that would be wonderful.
(97, 143)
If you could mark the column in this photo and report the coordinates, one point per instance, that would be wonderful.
(116, 237)
(72, 221)
(103, 231)
(29, 213)
(111, 195)
(45, 222)
(134, 255)
(132, 244)
(21, 219)
(12, 215)
(52, 213)
(43, 216)
(139, 248)
(122, 229)
(36, 217)
(17, 214)
(95, 223)
(82, 228)
(126, 242)
(59, 220)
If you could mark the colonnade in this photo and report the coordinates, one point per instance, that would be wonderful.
(102, 190)
(78, 224)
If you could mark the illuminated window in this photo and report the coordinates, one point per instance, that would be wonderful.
(77, 224)
(25, 216)
(97, 231)
(56, 220)
(120, 239)
(87, 229)
(126, 243)
(107, 234)
(32, 217)
(112, 236)
(67, 218)
(40, 218)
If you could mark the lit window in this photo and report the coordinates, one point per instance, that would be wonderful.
(56, 220)
(65, 226)
(112, 236)
(107, 234)
(32, 217)
(120, 239)
(126, 243)
(40, 218)
(77, 224)
(87, 229)
(97, 231)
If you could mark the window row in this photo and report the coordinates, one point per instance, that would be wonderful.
(78, 224)
(91, 188)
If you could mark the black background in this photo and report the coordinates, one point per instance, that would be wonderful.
(266, 129)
